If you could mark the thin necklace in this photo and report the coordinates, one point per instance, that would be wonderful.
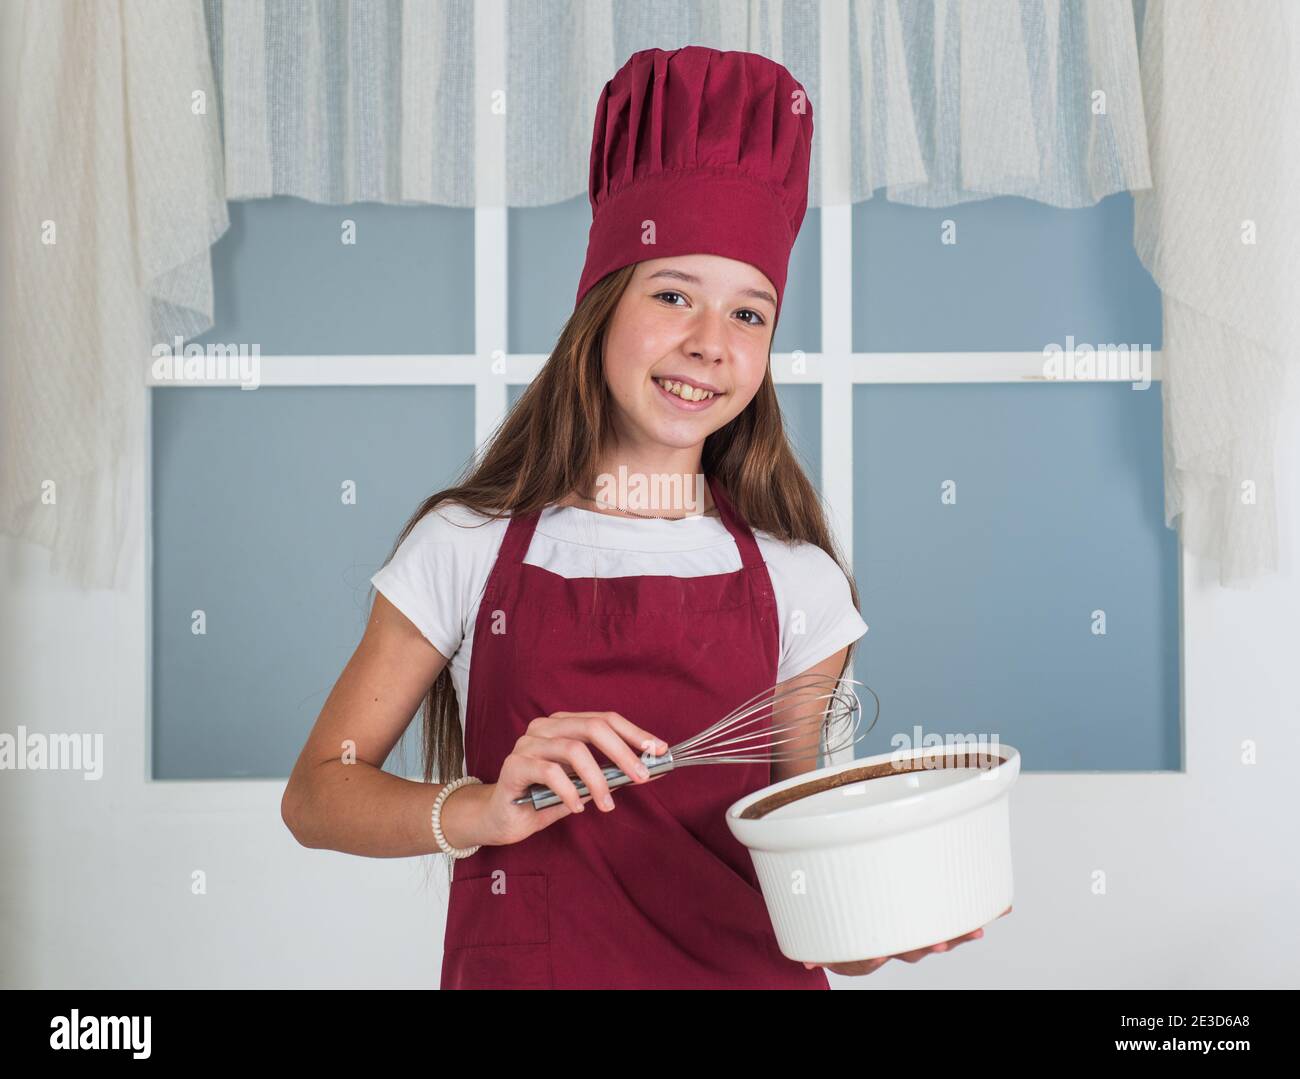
(647, 516)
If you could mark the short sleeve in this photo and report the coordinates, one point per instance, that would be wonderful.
(818, 617)
(427, 578)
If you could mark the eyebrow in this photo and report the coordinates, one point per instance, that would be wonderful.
(756, 293)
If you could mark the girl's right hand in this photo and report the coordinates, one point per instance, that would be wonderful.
(541, 755)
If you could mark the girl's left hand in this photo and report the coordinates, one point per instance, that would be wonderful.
(868, 966)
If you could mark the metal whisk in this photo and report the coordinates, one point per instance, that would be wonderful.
(808, 715)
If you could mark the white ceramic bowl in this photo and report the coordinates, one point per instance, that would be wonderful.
(883, 854)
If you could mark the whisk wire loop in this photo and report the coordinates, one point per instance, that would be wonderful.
(820, 711)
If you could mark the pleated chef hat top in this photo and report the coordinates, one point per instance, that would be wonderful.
(703, 151)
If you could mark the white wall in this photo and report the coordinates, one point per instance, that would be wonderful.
(96, 876)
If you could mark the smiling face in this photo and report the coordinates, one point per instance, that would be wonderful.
(687, 348)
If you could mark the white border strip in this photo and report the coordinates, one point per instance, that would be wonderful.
(835, 371)
(836, 367)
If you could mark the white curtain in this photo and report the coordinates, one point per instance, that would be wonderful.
(111, 199)
(957, 101)
(951, 100)
(1220, 233)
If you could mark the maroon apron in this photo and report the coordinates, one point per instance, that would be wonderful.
(656, 893)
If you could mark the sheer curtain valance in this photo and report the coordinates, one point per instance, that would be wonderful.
(951, 100)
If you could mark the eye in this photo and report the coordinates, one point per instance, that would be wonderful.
(759, 320)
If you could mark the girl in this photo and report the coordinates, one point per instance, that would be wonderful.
(546, 612)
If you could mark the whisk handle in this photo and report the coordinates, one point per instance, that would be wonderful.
(542, 797)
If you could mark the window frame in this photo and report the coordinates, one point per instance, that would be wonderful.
(492, 369)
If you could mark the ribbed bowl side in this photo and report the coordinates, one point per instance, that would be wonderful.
(892, 894)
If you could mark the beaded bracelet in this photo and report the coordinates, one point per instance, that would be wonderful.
(444, 846)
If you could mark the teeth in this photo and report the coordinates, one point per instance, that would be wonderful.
(687, 393)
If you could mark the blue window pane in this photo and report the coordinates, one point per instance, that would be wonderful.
(982, 611)
(284, 278)
(547, 246)
(801, 411)
(251, 527)
(1021, 275)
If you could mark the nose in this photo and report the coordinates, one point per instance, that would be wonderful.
(706, 336)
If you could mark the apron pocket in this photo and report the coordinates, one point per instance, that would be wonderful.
(498, 939)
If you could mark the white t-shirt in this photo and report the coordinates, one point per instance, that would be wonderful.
(438, 573)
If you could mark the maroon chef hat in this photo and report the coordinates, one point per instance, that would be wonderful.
(712, 147)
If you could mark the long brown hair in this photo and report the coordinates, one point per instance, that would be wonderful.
(549, 444)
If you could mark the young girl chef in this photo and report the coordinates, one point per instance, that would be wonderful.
(549, 616)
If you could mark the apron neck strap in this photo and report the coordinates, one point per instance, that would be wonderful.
(519, 535)
(736, 525)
